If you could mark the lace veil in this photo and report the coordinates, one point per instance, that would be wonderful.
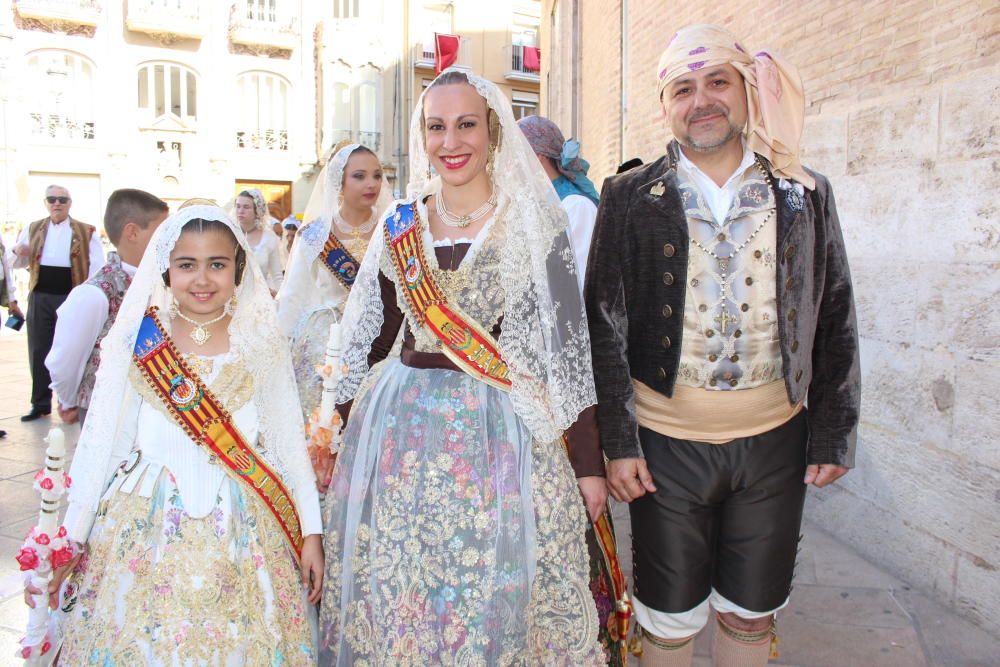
(254, 337)
(544, 340)
(307, 286)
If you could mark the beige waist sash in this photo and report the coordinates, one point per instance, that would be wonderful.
(716, 417)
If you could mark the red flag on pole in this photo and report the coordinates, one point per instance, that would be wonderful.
(532, 58)
(445, 51)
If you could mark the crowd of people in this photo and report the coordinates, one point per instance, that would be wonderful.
(516, 347)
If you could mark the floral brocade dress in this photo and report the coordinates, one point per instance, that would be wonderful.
(453, 537)
(183, 566)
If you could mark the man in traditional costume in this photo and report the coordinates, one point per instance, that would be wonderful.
(720, 303)
(84, 319)
(59, 253)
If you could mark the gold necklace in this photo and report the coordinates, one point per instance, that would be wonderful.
(200, 333)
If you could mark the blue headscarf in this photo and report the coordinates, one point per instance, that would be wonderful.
(546, 139)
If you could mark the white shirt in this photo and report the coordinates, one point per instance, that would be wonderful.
(11, 289)
(582, 217)
(719, 199)
(79, 321)
(55, 249)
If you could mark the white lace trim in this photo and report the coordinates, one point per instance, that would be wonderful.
(545, 339)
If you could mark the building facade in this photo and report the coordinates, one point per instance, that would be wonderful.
(178, 97)
(201, 99)
(901, 116)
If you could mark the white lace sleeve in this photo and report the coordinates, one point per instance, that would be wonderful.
(363, 317)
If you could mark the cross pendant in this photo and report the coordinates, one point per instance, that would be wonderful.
(724, 319)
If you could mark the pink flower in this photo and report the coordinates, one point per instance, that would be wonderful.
(68, 482)
(39, 474)
(61, 532)
(45, 647)
(46, 484)
(61, 557)
(26, 652)
(27, 558)
(42, 538)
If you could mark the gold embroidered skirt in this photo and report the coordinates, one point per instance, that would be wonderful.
(453, 538)
(159, 587)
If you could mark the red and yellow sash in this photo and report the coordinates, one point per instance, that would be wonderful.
(475, 352)
(463, 341)
(338, 261)
(205, 421)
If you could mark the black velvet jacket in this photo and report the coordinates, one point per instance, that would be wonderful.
(635, 291)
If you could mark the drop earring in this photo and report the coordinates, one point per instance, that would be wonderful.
(230, 306)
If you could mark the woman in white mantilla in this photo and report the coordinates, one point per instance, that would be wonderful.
(250, 211)
(184, 561)
(455, 528)
(342, 213)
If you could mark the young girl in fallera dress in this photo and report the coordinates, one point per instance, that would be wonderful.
(185, 562)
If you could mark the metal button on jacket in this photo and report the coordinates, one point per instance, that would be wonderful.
(669, 250)
(668, 278)
(667, 311)
(661, 373)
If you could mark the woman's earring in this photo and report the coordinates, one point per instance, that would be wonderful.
(230, 306)
(174, 308)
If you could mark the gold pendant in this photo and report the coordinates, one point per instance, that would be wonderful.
(657, 190)
(200, 335)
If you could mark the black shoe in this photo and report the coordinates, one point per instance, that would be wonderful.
(3, 434)
(35, 414)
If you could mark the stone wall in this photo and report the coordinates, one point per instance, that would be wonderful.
(902, 102)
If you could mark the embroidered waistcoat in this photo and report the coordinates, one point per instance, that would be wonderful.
(731, 336)
(79, 250)
(113, 281)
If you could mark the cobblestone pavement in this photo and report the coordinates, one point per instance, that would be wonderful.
(845, 611)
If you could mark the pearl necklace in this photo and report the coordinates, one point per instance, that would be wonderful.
(200, 333)
(462, 221)
(356, 231)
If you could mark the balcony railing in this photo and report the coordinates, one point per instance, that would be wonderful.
(56, 127)
(263, 140)
(519, 71)
(372, 140)
(168, 19)
(266, 24)
(60, 14)
(339, 135)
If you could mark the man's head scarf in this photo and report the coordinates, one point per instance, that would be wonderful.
(775, 101)
(547, 139)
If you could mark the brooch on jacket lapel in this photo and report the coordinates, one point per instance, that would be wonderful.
(794, 195)
(658, 189)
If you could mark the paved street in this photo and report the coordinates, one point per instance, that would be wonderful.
(845, 611)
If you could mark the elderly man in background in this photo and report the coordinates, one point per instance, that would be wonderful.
(720, 301)
(59, 253)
